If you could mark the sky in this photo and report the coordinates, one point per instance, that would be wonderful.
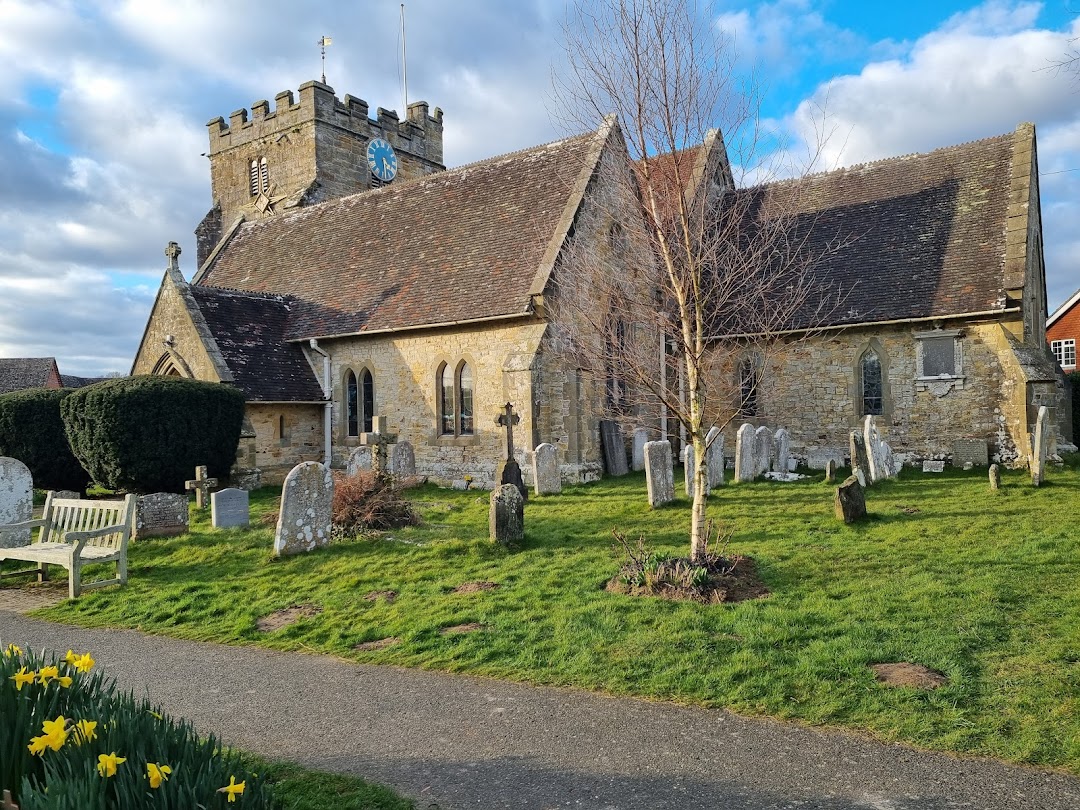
(103, 107)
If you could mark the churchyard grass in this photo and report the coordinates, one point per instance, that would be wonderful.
(978, 585)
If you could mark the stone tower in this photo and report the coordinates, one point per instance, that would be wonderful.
(305, 152)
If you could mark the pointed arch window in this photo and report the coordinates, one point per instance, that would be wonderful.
(367, 399)
(871, 384)
(455, 391)
(258, 176)
(465, 399)
(264, 175)
(748, 388)
(253, 181)
(352, 410)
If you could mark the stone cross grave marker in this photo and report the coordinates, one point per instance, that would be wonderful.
(229, 507)
(641, 435)
(745, 454)
(714, 456)
(16, 500)
(506, 516)
(1041, 446)
(306, 509)
(404, 460)
(509, 470)
(201, 484)
(659, 477)
(546, 478)
(379, 439)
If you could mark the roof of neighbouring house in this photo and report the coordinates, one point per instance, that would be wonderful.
(457, 246)
(72, 381)
(18, 373)
(1071, 302)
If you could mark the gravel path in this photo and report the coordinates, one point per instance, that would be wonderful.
(459, 742)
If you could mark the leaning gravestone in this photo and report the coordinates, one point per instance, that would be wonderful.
(641, 435)
(360, 460)
(888, 460)
(764, 449)
(611, 442)
(689, 468)
(546, 478)
(783, 450)
(306, 509)
(714, 456)
(1041, 446)
(229, 508)
(506, 516)
(659, 477)
(872, 442)
(850, 502)
(16, 500)
(860, 465)
(403, 460)
(161, 514)
(745, 454)
(995, 476)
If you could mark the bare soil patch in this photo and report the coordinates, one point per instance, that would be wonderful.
(375, 596)
(457, 629)
(283, 618)
(728, 579)
(476, 587)
(906, 674)
(380, 644)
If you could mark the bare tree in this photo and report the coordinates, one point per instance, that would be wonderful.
(722, 278)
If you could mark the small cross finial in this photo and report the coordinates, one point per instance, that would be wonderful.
(173, 252)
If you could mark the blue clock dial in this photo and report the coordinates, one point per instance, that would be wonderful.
(382, 160)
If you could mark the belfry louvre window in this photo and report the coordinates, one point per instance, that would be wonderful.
(454, 387)
(259, 176)
(1065, 352)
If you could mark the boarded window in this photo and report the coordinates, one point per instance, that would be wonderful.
(872, 391)
(939, 356)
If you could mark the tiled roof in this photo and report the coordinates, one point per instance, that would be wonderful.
(459, 245)
(17, 373)
(249, 330)
(920, 235)
(71, 381)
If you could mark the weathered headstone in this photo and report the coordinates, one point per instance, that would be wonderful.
(509, 471)
(764, 450)
(16, 500)
(659, 477)
(875, 452)
(995, 476)
(360, 460)
(783, 450)
(1040, 446)
(830, 471)
(613, 447)
(67, 494)
(161, 514)
(860, 465)
(970, 451)
(714, 456)
(546, 478)
(306, 509)
(933, 465)
(888, 460)
(403, 460)
(817, 458)
(641, 435)
(689, 469)
(379, 440)
(850, 502)
(229, 507)
(506, 516)
(201, 484)
(745, 454)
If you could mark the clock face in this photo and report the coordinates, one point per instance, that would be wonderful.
(382, 160)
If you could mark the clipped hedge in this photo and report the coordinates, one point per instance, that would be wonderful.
(147, 434)
(32, 431)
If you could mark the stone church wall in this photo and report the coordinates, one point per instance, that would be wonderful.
(187, 353)
(285, 435)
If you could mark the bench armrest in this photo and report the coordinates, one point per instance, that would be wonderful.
(23, 524)
(78, 539)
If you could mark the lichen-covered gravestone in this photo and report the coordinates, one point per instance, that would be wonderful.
(637, 457)
(229, 507)
(16, 500)
(546, 478)
(161, 514)
(714, 456)
(1040, 447)
(659, 477)
(830, 471)
(874, 452)
(850, 502)
(745, 454)
(860, 464)
(403, 460)
(783, 450)
(360, 460)
(306, 509)
(995, 476)
(764, 449)
(506, 516)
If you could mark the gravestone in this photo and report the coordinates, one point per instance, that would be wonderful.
(714, 457)
(689, 468)
(509, 471)
(641, 435)
(16, 500)
(874, 452)
(161, 514)
(995, 476)
(546, 478)
(201, 484)
(1040, 449)
(229, 508)
(403, 460)
(888, 460)
(306, 509)
(970, 451)
(659, 477)
(850, 502)
(360, 460)
(379, 440)
(506, 516)
(613, 447)
(860, 465)
(67, 494)
(933, 466)
(783, 450)
(764, 450)
(817, 458)
(745, 454)
(830, 471)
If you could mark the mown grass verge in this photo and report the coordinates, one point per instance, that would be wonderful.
(979, 585)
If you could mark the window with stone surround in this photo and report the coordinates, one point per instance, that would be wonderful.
(454, 387)
(359, 401)
(939, 361)
(871, 388)
(748, 388)
(352, 409)
(1065, 352)
(259, 177)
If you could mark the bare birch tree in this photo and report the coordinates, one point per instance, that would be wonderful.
(720, 276)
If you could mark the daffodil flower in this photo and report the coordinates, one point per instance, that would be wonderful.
(157, 774)
(233, 789)
(70, 657)
(55, 732)
(22, 677)
(107, 764)
(85, 731)
(64, 681)
(46, 674)
(13, 651)
(38, 745)
(83, 663)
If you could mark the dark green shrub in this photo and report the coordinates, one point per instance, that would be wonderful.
(32, 431)
(147, 434)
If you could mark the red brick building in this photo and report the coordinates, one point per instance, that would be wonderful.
(1063, 332)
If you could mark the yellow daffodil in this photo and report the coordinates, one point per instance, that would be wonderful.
(107, 764)
(83, 663)
(233, 789)
(38, 745)
(46, 674)
(70, 658)
(157, 774)
(64, 681)
(56, 732)
(22, 677)
(85, 731)
(13, 651)
(155, 714)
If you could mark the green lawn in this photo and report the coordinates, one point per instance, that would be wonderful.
(982, 586)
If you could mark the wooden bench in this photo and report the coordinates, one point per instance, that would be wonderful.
(73, 533)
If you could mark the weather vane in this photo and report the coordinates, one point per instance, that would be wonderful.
(323, 42)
